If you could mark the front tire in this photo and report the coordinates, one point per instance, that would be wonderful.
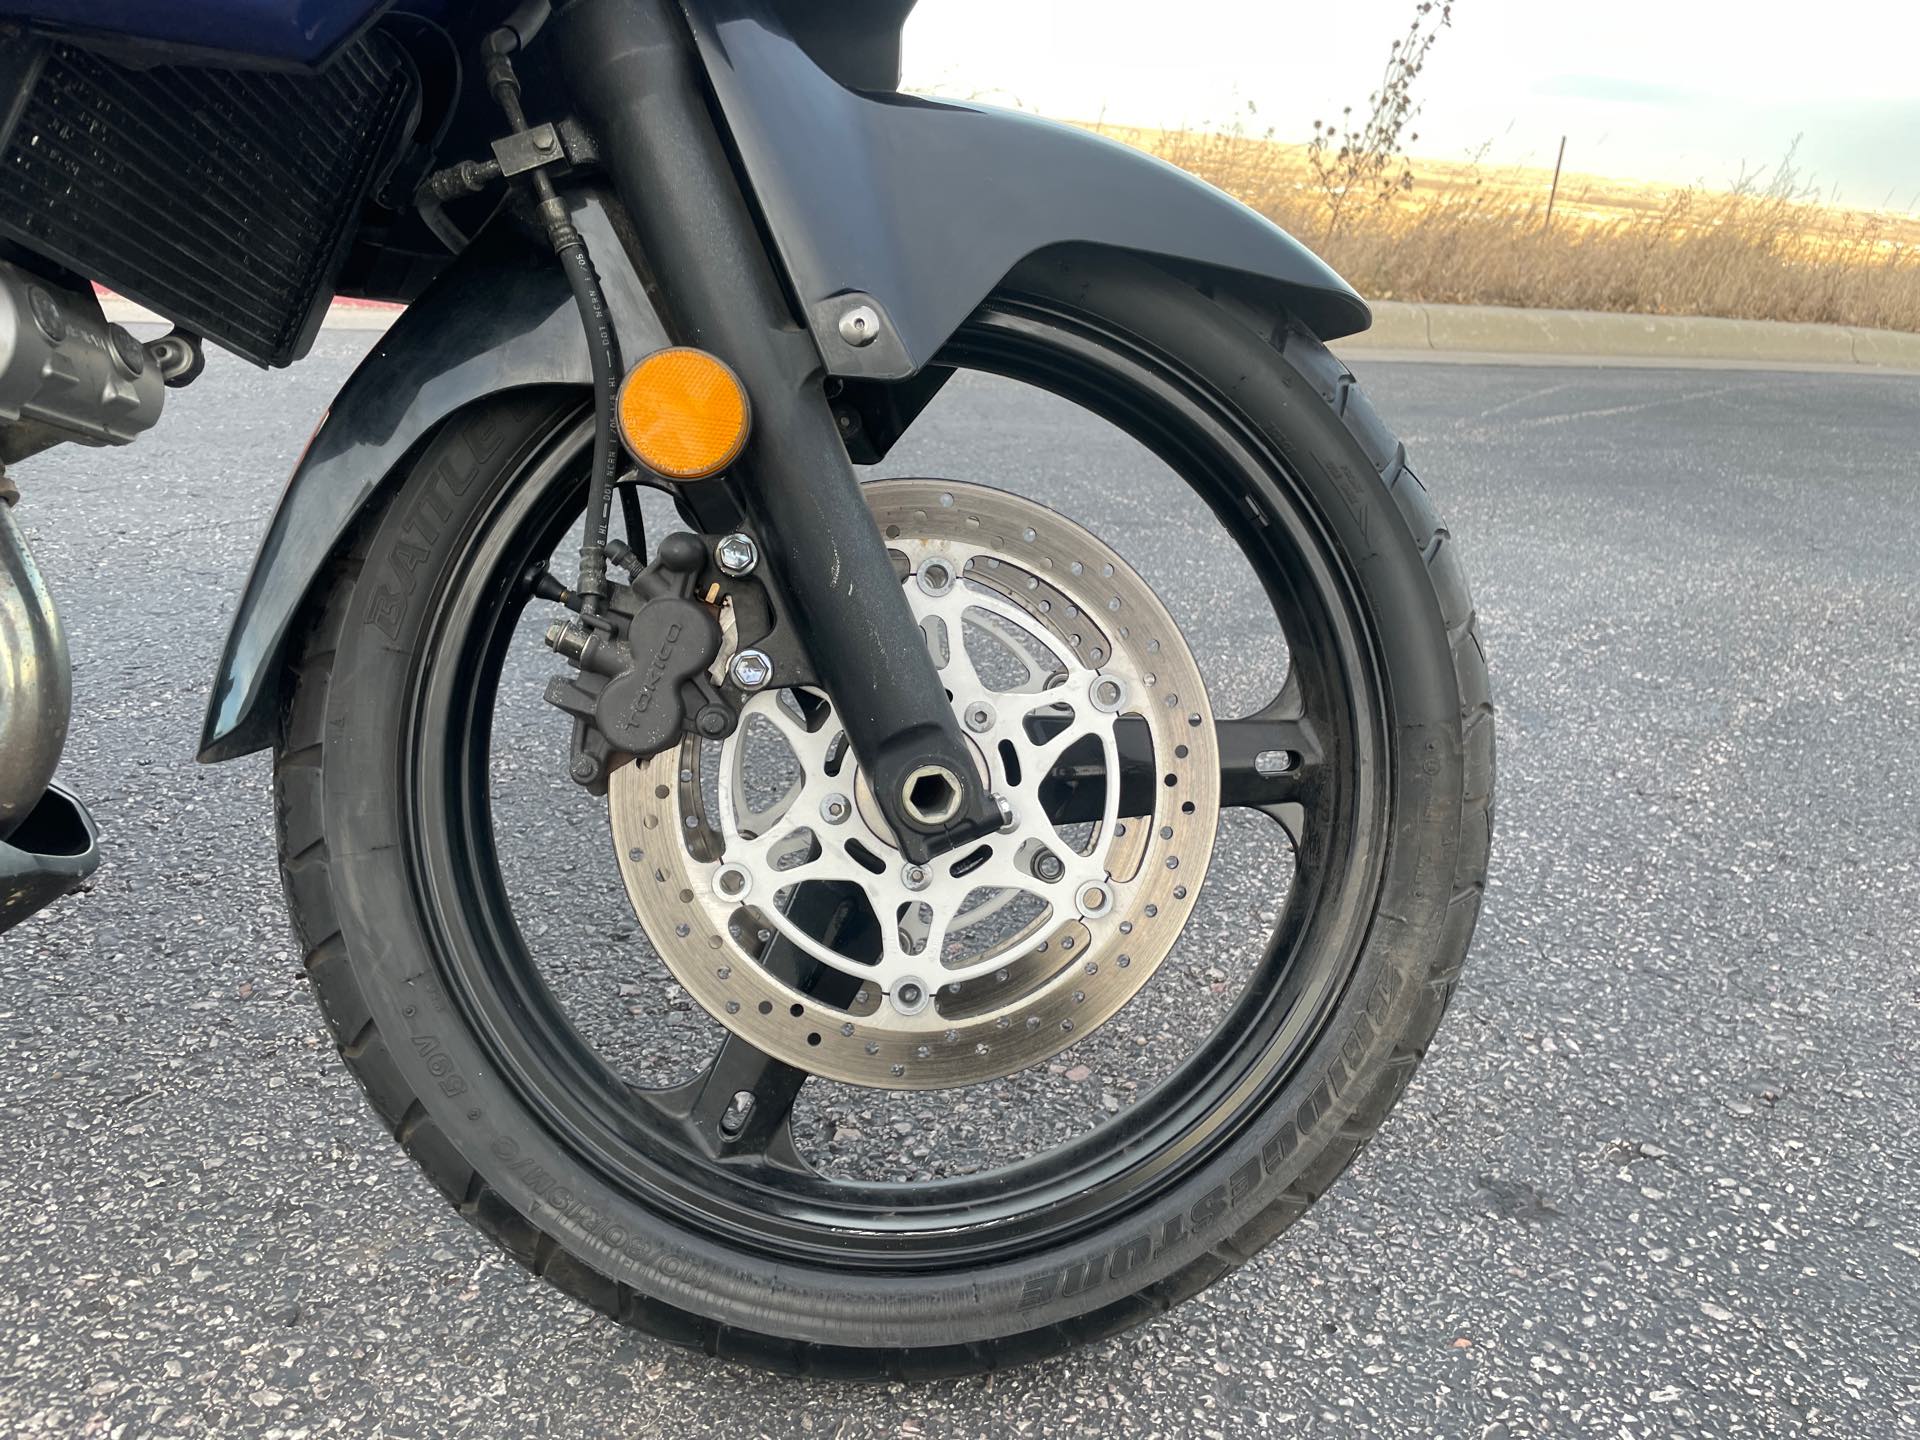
(378, 921)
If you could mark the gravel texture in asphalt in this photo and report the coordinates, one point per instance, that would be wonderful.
(1655, 1177)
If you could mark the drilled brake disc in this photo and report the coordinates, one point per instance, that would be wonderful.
(1060, 660)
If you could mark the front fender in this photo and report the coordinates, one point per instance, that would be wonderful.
(499, 318)
(920, 208)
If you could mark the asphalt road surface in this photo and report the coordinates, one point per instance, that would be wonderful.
(1657, 1176)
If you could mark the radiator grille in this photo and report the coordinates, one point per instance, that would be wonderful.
(220, 198)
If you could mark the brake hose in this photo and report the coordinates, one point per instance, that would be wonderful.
(603, 347)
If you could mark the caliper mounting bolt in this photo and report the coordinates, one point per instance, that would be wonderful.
(751, 669)
(736, 555)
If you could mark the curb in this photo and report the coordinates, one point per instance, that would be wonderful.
(1478, 330)
(341, 315)
(1412, 332)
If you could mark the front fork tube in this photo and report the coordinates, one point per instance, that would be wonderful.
(636, 78)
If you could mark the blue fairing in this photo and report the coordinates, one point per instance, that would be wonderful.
(284, 32)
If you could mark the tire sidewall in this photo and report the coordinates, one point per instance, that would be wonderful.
(1274, 1168)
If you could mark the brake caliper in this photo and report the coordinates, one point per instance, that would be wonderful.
(641, 680)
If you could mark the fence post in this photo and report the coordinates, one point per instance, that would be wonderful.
(1557, 160)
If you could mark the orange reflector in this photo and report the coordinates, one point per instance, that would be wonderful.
(683, 414)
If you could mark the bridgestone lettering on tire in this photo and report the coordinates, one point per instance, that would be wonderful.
(347, 770)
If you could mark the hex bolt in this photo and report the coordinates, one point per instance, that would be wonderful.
(129, 352)
(566, 638)
(935, 576)
(46, 314)
(860, 326)
(915, 877)
(751, 669)
(1008, 820)
(584, 769)
(1048, 867)
(736, 555)
(835, 809)
(978, 717)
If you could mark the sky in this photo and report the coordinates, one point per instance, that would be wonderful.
(1679, 91)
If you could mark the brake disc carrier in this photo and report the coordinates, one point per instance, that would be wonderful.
(995, 955)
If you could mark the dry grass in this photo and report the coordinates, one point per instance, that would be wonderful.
(1764, 249)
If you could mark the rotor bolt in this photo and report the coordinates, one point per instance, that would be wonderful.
(835, 809)
(935, 577)
(915, 877)
(732, 881)
(736, 555)
(1048, 867)
(1108, 693)
(909, 997)
(979, 717)
(751, 669)
(1094, 899)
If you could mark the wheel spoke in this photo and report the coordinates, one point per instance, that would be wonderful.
(740, 1107)
(1264, 761)
(1267, 761)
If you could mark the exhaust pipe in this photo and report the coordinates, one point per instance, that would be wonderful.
(36, 679)
(48, 844)
(50, 853)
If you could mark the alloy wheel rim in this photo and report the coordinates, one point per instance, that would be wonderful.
(637, 1140)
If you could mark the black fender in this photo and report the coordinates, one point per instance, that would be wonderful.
(499, 318)
(920, 208)
(916, 208)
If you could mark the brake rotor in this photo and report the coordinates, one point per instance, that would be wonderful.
(998, 954)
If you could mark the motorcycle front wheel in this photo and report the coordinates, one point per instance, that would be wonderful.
(1346, 811)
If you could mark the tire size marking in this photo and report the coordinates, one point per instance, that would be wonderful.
(1238, 1187)
(426, 1044)
(422, 524)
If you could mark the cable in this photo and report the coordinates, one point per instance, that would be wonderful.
(603, 347)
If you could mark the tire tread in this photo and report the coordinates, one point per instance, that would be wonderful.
(304, 863)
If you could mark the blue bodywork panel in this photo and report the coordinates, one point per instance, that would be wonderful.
(277, 32)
